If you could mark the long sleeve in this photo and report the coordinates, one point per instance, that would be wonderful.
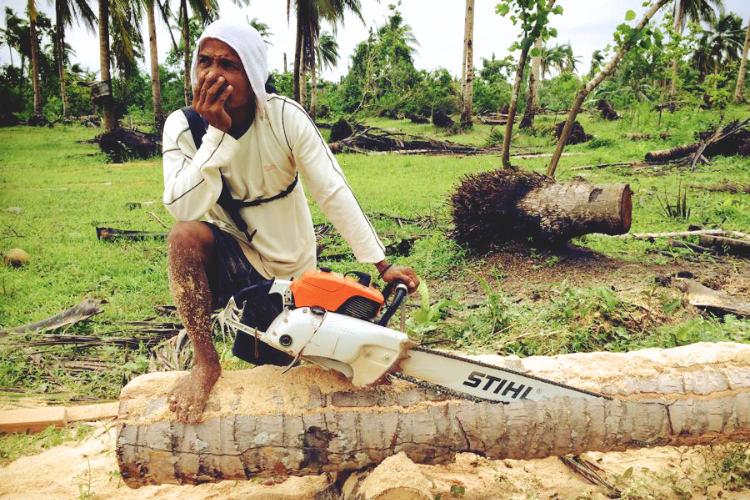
(325, 181)
(192, 179)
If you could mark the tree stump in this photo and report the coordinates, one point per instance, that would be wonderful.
(262, 423)
(503, 205)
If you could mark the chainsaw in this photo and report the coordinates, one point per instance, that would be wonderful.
(335, 321)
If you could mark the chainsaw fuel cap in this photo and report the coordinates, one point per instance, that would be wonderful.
(285, 340)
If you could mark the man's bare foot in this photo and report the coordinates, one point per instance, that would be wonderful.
(188, 397)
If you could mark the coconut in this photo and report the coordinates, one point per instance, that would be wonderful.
(16, 258)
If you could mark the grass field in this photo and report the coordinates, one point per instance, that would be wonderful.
(66, 189)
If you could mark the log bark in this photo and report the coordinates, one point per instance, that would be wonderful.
(503, 205)
(308, 421)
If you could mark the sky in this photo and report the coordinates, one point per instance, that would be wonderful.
(438, 26)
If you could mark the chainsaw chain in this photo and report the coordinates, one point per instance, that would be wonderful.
(495, 367)
(443, 390)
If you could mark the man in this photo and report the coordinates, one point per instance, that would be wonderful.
(253, 148)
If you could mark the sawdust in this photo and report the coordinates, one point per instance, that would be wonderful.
(263, 390)
(76, 469)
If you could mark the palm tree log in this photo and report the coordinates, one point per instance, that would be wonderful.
(503, 205)
(261, 422)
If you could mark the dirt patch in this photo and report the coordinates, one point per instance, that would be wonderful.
(524, 273)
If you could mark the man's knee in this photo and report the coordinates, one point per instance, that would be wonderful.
(193, 237)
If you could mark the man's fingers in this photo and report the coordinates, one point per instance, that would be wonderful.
(225, 95)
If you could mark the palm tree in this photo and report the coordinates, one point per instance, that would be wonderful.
(31, 7)
(720, 45)
(262, 28)
(690, 10)
(738, 97)
(153, 52)
(12, 33)
(65, 12)
(467, 67)
(309, 13)
(570, 61)
(127, 41)
(597, 59)
(206, 11)
(110, 122)
(328, 56)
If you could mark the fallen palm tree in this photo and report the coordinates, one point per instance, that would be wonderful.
(376, 139)
(734, 139)
(261, 422)
(503, 205)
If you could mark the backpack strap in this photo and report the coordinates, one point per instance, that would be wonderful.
(198, 127)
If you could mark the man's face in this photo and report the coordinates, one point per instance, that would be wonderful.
(219, 58)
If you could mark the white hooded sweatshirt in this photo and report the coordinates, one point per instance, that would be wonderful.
(261, 163)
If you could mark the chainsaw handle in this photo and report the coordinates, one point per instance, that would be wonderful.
(398, 296)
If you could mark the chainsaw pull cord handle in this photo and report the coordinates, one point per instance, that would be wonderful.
(398, 296)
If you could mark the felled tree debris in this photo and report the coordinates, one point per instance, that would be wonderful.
(112, 234)
(341, 130)
(607, 110)
(724, 244)
(577, 134)
(725, 186)
(494, 119)
(638, 137)
(377, 139)
(441, 120)
(124, 144)
(416, 118)
(734, 139)
(713, 300)
(8, 120)
(502, 205)
(80, 312)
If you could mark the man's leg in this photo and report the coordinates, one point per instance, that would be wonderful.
(189, 254)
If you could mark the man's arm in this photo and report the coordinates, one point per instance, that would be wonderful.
(327, 184)
(192, 179)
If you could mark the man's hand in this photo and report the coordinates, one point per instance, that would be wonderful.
(189, 395)
(391, 273)
(209, 96)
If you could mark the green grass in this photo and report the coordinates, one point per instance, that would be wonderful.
(66, 189)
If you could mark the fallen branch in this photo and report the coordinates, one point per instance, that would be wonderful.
(728, 141)
(80, 312)
(111, 234)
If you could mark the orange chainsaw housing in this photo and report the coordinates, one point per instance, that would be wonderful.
(334, 292)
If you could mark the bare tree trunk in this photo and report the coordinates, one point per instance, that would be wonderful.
(297, 60)
(155, 84)
(259, 422)
(59, 47)
(675, 61)
(598, 79)
(34, 58)
(285, 68)
(314, 90)
(534, 80)
(739, 90)
(512, 108)
(303, 83)
(110, 123)
(186, 45)
(467, 82)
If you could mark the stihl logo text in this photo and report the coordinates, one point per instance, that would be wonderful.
(497, 385)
